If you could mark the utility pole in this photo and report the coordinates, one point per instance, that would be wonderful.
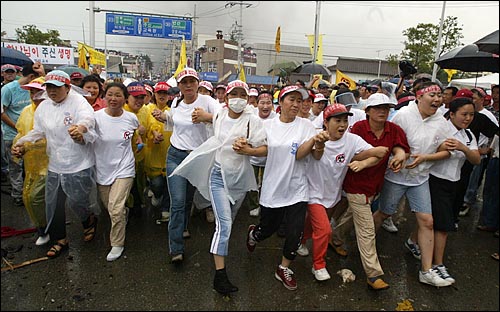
(438, 48)
(194, 40)
(379, 63)
(316, 31)
(240, 27)
(92, 24)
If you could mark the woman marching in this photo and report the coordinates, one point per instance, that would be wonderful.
(238, 133)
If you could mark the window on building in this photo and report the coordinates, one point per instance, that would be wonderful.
(212, 67)
(213, 49)
(248, 71)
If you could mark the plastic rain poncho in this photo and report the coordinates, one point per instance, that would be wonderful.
(35, 168)
(237, 172)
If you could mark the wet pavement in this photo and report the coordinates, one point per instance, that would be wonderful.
(144, 279)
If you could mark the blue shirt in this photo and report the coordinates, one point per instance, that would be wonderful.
(14, 100)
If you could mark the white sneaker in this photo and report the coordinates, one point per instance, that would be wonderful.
(42, 240)
(150, 193)
(432, 278)
(321, 274)
(442, 271)
(115, 253)
(303, 251)
(186, 234)
(389, 226)
(255, 212)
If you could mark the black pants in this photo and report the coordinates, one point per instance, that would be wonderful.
(270, 220)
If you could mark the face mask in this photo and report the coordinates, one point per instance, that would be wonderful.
(237, 105)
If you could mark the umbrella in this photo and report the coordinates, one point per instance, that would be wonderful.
(313, 69)
(69, 69)
(489, 43)
(469, 59)
(14, 57)
(286, 66)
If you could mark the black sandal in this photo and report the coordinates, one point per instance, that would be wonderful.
(57, 251)
(89, 233)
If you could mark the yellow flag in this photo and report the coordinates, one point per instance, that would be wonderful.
(182, 60)
(319, 54)
(277, 45)
(242, 74)
(316, 83)
(95, 57)
(82, 56)
(341, 77)
(450, 73)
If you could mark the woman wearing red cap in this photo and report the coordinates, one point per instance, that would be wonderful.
(187, 118)
(284, 187)
(238, 133)
(342, 151)
(35, 162)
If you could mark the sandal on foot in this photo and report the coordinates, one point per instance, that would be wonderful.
(339, 249)
(57, 249)
(89, 233)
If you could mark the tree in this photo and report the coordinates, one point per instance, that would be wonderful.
(31, 35)
(421, 42)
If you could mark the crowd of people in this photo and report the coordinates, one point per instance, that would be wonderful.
(312, 161)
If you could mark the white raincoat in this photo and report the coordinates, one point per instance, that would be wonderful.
(237, 172)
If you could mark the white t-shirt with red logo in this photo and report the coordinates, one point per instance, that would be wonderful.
(113, 150)
(325, 176)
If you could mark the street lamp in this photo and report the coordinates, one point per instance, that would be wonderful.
(379, 63)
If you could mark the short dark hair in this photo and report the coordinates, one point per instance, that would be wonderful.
(119, 85)
(457, 103)
(453, 89)
(28, 70)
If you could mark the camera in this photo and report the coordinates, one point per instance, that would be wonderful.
(406, 69)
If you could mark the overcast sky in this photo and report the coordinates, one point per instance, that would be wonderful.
(355, 29)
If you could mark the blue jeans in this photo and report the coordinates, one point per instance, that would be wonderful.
(489, 215)
(15, 172)
(224, 213)
(181, 195)
(418, 196)
(474, 181)
(5, 161)
(159, 188)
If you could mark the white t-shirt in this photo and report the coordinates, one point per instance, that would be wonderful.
(449, 169)
(285, 182)
(186, 135)
(424, 137)
(113, 147)
(325, 176)
(261, 161)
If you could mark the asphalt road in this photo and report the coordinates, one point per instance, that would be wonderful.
(144, 279)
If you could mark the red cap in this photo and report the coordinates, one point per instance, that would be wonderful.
(293, 88)
(187, 72)
(162, 86)
(335, 110)
(464, 93)
(207, 85)
(136, 88)
(76, 75)
(237, 84)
